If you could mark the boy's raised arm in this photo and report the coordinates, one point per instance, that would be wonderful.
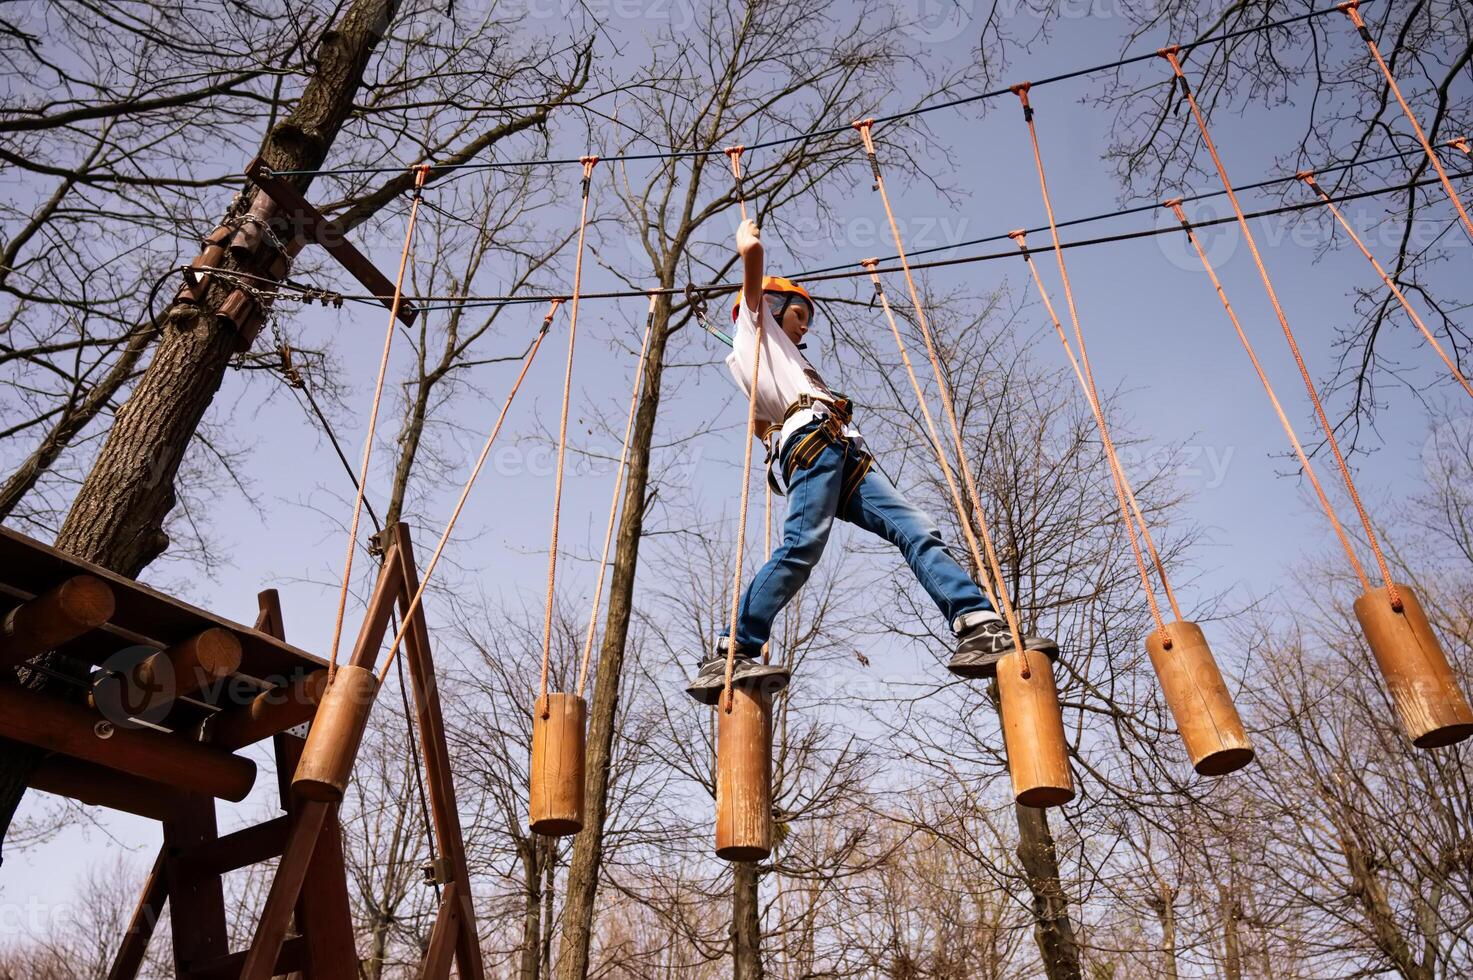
(749, 247)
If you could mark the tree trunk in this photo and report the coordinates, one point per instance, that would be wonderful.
(1232, 949)
(530, 849)
(1052, 928)
(118, 516)
(1166, 912)
(746, 925)
(582, 879)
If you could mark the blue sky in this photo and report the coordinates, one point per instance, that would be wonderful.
(1155, 329)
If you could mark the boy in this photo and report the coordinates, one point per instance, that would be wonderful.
(829, 474)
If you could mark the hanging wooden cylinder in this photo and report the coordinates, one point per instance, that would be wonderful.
(1199, 700)
(332, 741)
(556, 795)
(1033, 732)
(744, 777)
(1432, 709)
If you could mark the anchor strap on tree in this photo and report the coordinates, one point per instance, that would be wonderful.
(1352, 10)
(1124, 495)
(1308, 178)
(603, 562)
(1170, 54)
(863, 127)
(465, 491)
(562, 440)
(421, 172)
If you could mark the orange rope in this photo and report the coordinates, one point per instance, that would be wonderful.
(562, 443)
(767, 537)
(734, 154)
(1175, 205)
(1092, 395)
(935, 437)
(864, 126)
(421, 172)
(603, 563)
(736, 589)
(1351, 10)
(1129, 508)
(1308, 178)
(1391, 591)
(466, 490)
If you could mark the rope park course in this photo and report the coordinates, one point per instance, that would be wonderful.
(1431, 708)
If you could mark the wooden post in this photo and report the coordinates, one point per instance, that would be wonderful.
(72, 729)
(332, 743)
(74, 607)
(556, 794)
(1199, 700)
(744, 777)
(1429, 704)
(1033, 732)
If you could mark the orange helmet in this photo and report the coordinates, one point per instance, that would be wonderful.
(777, 284)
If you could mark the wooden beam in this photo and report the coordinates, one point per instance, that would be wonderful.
(60, 726)
(261, 959)
(310, 224)
(293, 957)
(439, 779)
(76, 606)
(187, 667)
(268, 713)
(140, 928)
(196, 897)
(240, 849)
(97, 785)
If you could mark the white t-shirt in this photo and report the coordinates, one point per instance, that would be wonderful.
(785, 372)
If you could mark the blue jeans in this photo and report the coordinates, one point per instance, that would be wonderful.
(813, 502)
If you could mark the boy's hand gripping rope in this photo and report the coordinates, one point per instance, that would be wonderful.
(863, 127)
(1124, 495)
(603, 562)
(562, 439)
(466, 490)
(1175, 205)
(420, 173)
(1352, 10)
(1170, 54)
(1406, 305)
(734, 154)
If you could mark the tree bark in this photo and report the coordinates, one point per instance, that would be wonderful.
(529, 851)
(1052, 928)
(117, 519)
(746, 925)
(581, 886)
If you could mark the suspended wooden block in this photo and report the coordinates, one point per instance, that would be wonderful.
(1033, 732)
(1199, 700)
(332, 742)
(556, 796)
(76, 606)
(1432, 709)
(744, 777)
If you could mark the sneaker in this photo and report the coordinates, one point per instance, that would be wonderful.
(982, 640)
(746, 671)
